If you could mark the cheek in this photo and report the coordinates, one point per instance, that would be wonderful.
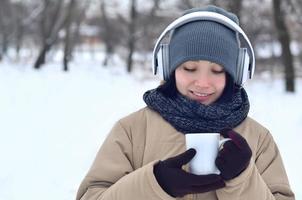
(181, 81)
(178, 81)
(220, 83)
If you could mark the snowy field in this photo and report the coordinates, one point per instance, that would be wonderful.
(52, 123)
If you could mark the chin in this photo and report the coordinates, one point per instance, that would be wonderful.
(205, 103)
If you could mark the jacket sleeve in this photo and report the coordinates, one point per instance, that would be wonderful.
(113, 176)
(264, 179)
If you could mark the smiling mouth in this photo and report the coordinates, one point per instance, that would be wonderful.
(200, 94)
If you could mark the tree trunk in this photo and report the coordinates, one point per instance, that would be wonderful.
(131, 41)
(41, 58)
(50, 33)
(5, 25)
(67, 53)
(19, 41)
(4, 45)
(284, 39)
(107, 27)
(68, 37)
(109, 52)
(19, 31)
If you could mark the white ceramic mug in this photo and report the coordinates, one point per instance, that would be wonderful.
(207, 146)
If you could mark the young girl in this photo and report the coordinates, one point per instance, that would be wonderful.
(144, 157)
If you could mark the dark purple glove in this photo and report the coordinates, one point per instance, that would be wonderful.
(235, 155)
(177, 182)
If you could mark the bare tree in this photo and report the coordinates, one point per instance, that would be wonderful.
(107, 34)
(51, 23)
(5, 25)
(284, 39)
(80, 16)
(19, 30)
(150, 25)
(68, 33)
(131, 38)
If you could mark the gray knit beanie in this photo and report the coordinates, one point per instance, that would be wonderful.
(205, 40)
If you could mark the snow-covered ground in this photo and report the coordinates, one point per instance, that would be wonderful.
(52, 123)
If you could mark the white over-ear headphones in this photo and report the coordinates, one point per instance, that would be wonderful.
(246, 59)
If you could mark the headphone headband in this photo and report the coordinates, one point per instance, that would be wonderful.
(203, 15)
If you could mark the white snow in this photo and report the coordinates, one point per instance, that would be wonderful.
(52, 123)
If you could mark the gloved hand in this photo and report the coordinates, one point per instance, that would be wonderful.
(177, 182)
(235, 155)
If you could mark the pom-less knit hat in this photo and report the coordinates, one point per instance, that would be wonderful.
(205, 40)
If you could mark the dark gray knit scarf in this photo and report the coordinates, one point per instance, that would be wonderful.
(188, 116)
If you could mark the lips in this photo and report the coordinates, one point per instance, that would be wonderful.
(200, 94)
(201, 97)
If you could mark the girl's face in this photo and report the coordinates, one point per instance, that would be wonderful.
(202, 80)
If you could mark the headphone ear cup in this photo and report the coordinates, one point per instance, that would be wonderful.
(243, 63)
(165, 61)
(162, 65)
(159, 65)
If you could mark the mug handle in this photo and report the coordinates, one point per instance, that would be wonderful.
(221, 142)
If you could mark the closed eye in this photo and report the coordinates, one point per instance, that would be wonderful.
(218, 71)
(189, 69)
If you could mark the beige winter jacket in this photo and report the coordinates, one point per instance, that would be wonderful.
(123, 167)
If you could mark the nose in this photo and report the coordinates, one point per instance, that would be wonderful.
(202, 81)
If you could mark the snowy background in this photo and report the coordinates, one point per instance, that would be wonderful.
(52, 123)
